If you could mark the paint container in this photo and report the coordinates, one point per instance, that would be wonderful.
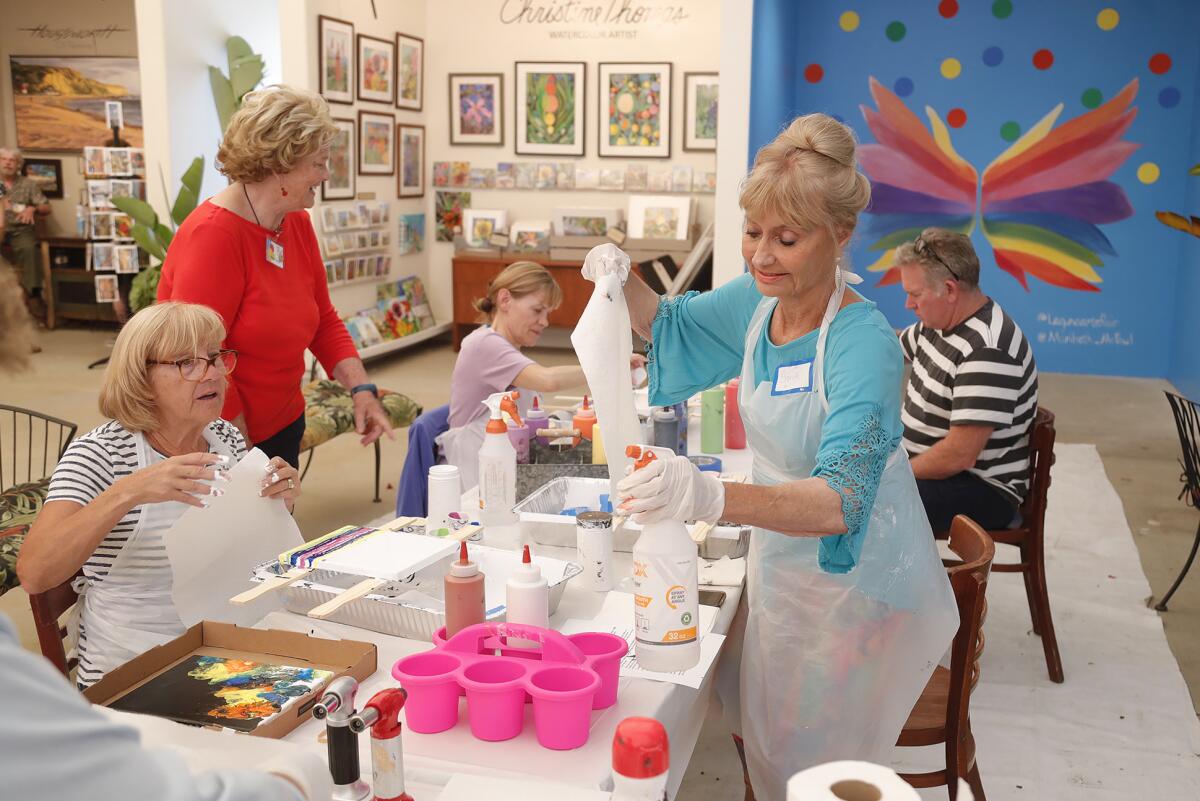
(666, 428)
(598, 454)
(735, 432)
(445, 495)
(594, 544)
(641, 758)
(536, 418)
(584, 420)
(464, 594)
(681, 413)
(706, 464)
(712, 420)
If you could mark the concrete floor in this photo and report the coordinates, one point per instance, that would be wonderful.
(1127, 419)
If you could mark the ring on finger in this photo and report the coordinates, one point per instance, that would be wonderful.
(291, 484)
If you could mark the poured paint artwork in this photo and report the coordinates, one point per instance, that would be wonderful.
(634, 117)
(550, 112)
(215, 690)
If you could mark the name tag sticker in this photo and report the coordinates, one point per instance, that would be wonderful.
(275, 253)
(793, 377)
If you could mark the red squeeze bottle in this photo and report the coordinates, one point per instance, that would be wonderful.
(641, 757)
(735, 432)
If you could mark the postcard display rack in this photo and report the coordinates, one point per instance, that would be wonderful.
(354, 242)
(110, 172)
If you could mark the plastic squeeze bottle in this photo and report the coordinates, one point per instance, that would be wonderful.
(464, 594)
(527, 596)
(666, 588)
(584, 420)
(536, 418)
(498, 463)
(735, 432)
(641, 757)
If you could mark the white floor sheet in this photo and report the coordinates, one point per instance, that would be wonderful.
(1122, 726)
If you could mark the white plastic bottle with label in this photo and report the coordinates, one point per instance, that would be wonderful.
(498, 464)
(666, 588)
(527, 598)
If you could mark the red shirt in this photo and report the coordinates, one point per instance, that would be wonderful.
(271, 314)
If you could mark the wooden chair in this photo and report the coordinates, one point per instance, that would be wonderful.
(1029, 537)
(1187, 425)
(31, 443)
(47, 608)
(942, 714)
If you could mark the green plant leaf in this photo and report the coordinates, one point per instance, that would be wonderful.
(185, 204)
(193, 176)
(244, 75)
(223, 97)
(164, 235)
(144, 290)
(139, 210)
(146, 241)
(236, 48)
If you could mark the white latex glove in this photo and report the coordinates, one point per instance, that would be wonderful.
(606, 259)
(672, 489)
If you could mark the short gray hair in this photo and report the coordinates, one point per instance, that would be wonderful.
(10, 151)
(943, 254)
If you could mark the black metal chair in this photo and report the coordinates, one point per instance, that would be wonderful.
(1187, 425)
(31, 443)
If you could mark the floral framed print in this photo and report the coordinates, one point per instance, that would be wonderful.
(550, 108)
(635, 110)
(477, 109)
(410, 72)
(700, 110)
(340, 183)
(376, 69)
(376, 148)
(335, 43)
(410, 157)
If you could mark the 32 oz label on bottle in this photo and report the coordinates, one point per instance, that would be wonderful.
(665, 592)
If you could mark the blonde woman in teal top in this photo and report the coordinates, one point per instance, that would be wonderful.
(848, 608)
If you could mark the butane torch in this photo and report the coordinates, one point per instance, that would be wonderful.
(382, 714)
(336, 708)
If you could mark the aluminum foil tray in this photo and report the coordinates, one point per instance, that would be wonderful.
(410, 608)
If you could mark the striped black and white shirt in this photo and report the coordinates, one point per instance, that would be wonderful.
(92, 464)
(980, 373)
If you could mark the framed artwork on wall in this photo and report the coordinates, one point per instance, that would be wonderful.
(410, 156)
(635, 110)
(700, 110)
(477, 109)
(550, 108)
(101, 86)
(376, 69)
(659, 216)
(410, 72)
(47, 174)
(340, 184)
(335, 43)
(478, 225)
(376, 148)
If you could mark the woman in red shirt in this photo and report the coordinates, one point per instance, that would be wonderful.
(250, 253)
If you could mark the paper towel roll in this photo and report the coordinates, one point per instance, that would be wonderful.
(849, 781)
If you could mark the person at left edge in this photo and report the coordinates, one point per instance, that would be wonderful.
(250, 253)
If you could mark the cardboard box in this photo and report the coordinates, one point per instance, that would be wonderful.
(343, 657)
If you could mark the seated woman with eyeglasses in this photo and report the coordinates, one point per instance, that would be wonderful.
(121, 485)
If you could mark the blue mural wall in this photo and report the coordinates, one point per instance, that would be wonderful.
(1050, 131)
(1184, 370)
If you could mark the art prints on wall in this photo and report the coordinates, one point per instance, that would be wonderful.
(62, 102)
(335, 43)
(700, 110)
(340, 184)
(480, 224)
(410, 146)
(410, 72)
(107, 288)
(659, 217)
(529, 235)
(549, 107)
(376, 146)
(450, 207)
(585, 221)
(635, 110)
(411, 233)
(477, 109)
(376, 69)
(47, 174)
(127, 259)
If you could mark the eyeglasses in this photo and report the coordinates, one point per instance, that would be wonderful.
(195, 367)
(924, 248)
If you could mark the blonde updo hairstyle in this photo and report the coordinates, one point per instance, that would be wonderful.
(808, 177)
(520, 278)
(274, 129)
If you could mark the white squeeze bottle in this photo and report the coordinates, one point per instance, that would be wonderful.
(498, 464)
(666, 581)
(527, 598)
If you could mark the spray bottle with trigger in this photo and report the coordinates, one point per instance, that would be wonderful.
(498, 463)
(382, 715)
(336, 708)
(666, 587)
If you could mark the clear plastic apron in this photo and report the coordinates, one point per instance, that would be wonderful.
(830, 664)
(130, 610)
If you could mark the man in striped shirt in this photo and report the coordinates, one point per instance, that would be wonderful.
(972, 394)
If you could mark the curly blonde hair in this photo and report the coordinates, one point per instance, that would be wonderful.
(274, 129)
(809, 177)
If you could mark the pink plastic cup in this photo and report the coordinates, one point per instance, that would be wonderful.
(432, 685)
(495, 698)
(604, 652)
(562, 706)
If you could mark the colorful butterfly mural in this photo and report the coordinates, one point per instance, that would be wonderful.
(1042, 200)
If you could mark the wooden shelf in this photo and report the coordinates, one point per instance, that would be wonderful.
(403, 342)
